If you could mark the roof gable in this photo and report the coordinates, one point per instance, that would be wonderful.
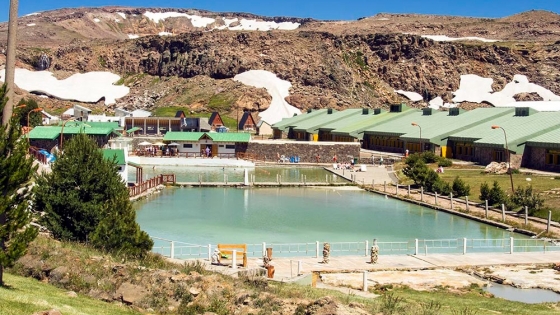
(117, 154)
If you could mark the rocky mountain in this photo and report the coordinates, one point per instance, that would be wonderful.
(188, 58)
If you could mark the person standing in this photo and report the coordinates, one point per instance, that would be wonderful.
(207, 151)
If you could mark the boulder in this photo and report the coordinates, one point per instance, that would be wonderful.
(130, 293)
(496, 168)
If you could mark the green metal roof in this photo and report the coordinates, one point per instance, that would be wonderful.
(437, 128)
(313, 124)
(53, 132)
(229, 136)
(183, 136)
(133, 129)
(109, 154)
(518, 129)
(44, 133)
(549, 140)
(103, 124)
(358, 116)
(291, 121)
(356, 129)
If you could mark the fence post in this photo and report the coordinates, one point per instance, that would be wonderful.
(264, 248)
(299, 267)
(384, 186)
(367, 246)
(304, 179)
(397, 190)
(511, 245)
(415, 246)
(234, 259)
(225, 178)
(317, 249)
(200, 179)
(365, 281)
(526, 215)
(277, 178)
(486, 208)
(451, 198)
(372, 183)
(172, 253)
(503, 213)
(467, 203)
(548, 223)
(435, 198)
(464, 245)
(326, 178)
(422, 193)
(409, 191)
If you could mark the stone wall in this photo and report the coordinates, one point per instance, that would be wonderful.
(307, 151)
(535, 158)
(485, 156)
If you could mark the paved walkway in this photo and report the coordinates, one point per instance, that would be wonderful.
(286, 269)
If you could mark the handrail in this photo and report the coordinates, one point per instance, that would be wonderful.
(161, 179)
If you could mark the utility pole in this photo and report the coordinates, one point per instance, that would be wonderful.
(10, 63)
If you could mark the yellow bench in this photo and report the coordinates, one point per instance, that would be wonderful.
(241, 251)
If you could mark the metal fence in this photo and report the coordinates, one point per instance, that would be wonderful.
(182, 250)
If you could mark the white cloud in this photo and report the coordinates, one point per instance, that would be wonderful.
(445, 38)
(277, 88)
(83, 87)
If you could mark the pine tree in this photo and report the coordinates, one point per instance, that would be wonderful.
(16, 171)
(84, 199)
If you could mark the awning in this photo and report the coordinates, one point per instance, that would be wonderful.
(133, 129)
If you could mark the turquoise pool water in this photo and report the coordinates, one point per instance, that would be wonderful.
(297, 215)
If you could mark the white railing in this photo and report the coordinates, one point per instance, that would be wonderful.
(182, 250)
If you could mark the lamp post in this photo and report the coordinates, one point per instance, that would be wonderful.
(29, 113)
(62, 131)
(421, 144)
(508, 156)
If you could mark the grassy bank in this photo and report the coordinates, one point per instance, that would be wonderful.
(24, 296)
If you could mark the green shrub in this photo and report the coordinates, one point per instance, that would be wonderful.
(495, 195)
(460, 188)
(430, 157)
(445, 162)
(441, 187)
(484, 191)
(524, 197)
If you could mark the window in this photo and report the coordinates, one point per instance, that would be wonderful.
(499, 156)
(230, 146)
(187, 145)
(552, 157)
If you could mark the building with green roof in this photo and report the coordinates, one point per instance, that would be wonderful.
(120, 157)
(308, 130)
(518, 127)
(282, 128)
(325, 130)
(221, 144)
(542, 152)
(47, 137)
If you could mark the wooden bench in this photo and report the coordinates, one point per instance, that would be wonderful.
(241, 249)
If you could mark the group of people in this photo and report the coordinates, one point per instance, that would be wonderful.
(153, 151)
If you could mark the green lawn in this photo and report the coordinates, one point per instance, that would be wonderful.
(24, 296)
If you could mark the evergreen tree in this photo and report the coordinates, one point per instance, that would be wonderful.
(15, 172)
(84, 199)
(525, 197)
(460, 188)
(24, 107)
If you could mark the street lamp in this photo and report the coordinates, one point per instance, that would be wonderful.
(29, 113)
(62, 130)
(421, 144)
(508, 157)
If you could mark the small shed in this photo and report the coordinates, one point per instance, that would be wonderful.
(247, 123)
(215, 120)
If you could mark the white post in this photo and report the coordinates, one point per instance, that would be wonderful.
(526, 215)
(548, 223)
(451, 198)
(503, 213)
(464, 245)
(416, 246)
(467, 202)
(511, 245)
(172, 254)
(299, 267)
(209, 252)
(280, 182)
(435, 198)
(397, 190)
(200, 179)
(486, 209)
(277, 179)
(367, 246)
(372, 182)
(304, 179)
(385, 186)
(365, 281)
(264, 248)
(422, 193)
(326, 178)
(317, 249)
(408, 190)
(234, 259)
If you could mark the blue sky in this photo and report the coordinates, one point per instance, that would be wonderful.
(318, 9)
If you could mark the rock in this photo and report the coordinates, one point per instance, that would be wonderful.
(71, 294)
(496, 168)
(130, 293)
(194, 291)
